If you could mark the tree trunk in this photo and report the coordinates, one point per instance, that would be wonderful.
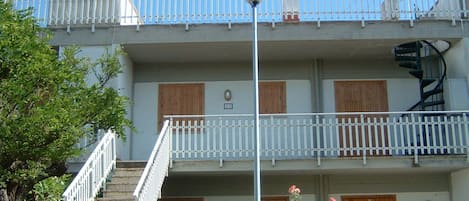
(3, 195)
(14, 192)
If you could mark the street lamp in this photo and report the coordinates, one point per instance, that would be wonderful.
(255, 75)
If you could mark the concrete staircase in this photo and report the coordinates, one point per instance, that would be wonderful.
(123, 181)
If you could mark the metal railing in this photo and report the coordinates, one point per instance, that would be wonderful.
(92, 176)
(151, 181)
(138, 12)
(321, 135)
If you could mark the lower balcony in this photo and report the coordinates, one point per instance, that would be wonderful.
(318, 138)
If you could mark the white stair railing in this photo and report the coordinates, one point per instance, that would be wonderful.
(94, 172)
(151, 181)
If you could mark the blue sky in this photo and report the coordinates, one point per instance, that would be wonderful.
(239, 11)
(178, 11)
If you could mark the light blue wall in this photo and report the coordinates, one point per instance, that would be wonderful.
(123, 84)
(146, 100)
(456, 86)
(145, 112)
(402, 94)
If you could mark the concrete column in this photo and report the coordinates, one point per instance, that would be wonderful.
(124, 86)
(315, 81)
(460, 185)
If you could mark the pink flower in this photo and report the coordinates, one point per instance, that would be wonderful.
(331, 199)
(294, 193)
(297, 190)
(292, 188)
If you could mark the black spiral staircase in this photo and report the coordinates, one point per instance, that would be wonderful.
(425, 62)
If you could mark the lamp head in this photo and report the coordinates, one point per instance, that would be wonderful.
(253, 2)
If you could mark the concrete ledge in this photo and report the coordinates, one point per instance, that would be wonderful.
(327, 166)
(131, 164)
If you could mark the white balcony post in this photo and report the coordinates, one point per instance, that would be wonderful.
(466, 130)
(363, 141)
(171, 127)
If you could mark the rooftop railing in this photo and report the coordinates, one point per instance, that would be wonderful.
(145, 12)
(321, 135)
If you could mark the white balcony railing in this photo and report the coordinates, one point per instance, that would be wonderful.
(92, 176)
(137, 12)
(156, 169)
(321, 135)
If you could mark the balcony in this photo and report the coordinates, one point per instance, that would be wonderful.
(321, 136)
(66, 13)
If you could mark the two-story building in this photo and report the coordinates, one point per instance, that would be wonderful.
(360, 99)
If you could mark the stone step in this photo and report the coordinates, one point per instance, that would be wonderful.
(131, 164)
(125, 180)
(120, 187)
(128, 172)
(118, 194)
(127, 198)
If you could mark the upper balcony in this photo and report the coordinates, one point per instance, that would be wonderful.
(73, 13)
(321, 140)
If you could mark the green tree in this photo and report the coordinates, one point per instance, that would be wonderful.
(45, 104)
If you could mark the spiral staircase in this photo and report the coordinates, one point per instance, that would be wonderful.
(425, 61)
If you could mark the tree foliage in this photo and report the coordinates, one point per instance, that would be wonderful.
(46, 106)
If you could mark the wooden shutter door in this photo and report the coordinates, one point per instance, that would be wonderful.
(180, 99)
(272, 97)
(360, 96)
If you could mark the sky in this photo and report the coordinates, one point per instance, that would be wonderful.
(239, 11)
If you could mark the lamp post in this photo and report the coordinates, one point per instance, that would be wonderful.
(255, 75)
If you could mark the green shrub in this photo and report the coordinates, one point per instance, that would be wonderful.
(50, 189)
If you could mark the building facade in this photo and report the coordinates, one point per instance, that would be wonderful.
(360, 100)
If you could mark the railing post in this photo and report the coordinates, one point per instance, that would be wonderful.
(170, 132)
(220, 138)
(317, 140)
(466, 128)
(415, 140)
(362, 122)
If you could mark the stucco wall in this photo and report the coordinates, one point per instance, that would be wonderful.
(406, 186)
(362, 69)
(456, 59)
(190, 72)
(460, 185)
(94, 53)
(145, 112)
(146, 101)
(123, 84)
(125, 87)
(402, 88)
